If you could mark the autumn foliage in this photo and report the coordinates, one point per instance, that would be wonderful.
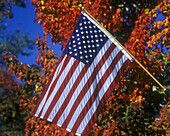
(134, 107)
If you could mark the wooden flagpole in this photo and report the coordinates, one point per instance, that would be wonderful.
(125, 49)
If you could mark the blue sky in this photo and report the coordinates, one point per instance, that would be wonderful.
(24, 19)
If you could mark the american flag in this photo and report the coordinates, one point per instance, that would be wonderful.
(86, 74)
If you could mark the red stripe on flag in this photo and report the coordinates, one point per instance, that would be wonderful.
(48, 83)
(60, 90)
(66, 101)
(95, 93)
(67, 59)
(54, 83)
(87, 85)
(75, 92)
(103, 100)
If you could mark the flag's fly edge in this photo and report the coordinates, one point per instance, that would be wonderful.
(111, 39)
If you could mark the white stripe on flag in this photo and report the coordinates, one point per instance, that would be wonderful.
(92, 87)
(57, 86)
(65, 92)
(101, 93)
(45, 97)
(118, 45)
(83, 82)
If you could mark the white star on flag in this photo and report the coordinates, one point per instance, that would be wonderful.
(86, 74)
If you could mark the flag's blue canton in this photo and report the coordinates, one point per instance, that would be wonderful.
(86, 41)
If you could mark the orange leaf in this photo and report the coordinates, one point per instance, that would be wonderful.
(33, 134)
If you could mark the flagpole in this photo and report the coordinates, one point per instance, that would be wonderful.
(125, 49)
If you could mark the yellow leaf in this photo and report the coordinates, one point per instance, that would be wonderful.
(43, 7)
(165, 31)
(36, 86)
(155, 14)
(42, 2)
(38, 21)
(140, 98)
(146, 10)
(46, 127)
